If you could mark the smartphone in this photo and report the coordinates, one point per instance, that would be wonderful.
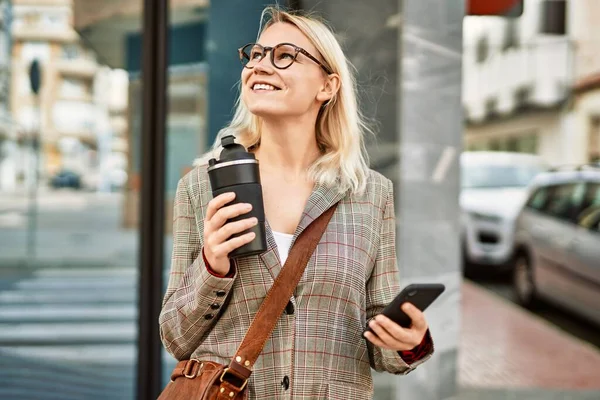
(421, 295)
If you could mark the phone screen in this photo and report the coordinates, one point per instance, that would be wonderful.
(421, 295)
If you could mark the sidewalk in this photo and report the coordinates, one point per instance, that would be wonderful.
(504, 347)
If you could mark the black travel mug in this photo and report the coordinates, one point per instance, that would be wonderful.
(237, 171)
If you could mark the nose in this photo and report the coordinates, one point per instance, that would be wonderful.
(264, 65)
(263, 68)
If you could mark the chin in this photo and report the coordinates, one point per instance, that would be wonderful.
(267, 110)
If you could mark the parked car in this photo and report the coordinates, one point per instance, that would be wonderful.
(558, 242)
(66, 179)
(493, 190)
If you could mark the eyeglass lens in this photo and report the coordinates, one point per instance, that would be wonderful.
(282, 55)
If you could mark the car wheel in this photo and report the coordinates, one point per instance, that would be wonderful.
(523, 282)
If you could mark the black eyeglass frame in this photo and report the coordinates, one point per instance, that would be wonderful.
(269, 49)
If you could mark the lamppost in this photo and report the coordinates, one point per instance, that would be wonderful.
(35, 81)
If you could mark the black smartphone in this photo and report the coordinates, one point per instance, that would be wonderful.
(421, 295)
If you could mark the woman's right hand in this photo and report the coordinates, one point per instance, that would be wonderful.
(217, 242)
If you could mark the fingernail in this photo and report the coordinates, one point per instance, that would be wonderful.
(231, 194)
(372, 323)
(248, 206)
(254, 221)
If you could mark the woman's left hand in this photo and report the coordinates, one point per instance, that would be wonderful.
(390, 335)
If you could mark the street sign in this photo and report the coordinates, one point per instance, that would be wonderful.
(35, 81)
(35, 78)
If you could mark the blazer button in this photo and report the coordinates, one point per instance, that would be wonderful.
(208, 316)
(285, 383)
(221, 293)
(215, 306)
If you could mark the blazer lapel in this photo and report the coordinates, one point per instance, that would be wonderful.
(320, 200)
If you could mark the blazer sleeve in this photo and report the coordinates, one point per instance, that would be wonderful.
(382, 286)
(194, 296)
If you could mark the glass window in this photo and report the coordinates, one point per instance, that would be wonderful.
(57, 20)
(592, 195)
(71, 52)
(188, 113)
(566, 201)
(496, 176)
(538, 199)
(512, 144)
(590, 218)
(590, 214)
(527, 144)
(594, 140)
(495, 145)
(522, 143)
(68, 256)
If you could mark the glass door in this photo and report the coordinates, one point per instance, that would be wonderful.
(68, 199)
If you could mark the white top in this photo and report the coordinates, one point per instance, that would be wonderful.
(284, 242)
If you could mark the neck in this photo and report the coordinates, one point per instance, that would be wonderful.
(287, 146)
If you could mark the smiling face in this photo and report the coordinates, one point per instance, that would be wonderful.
(271, 92)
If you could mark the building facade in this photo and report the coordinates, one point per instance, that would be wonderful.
(585, 114)
(74, 114)
(523, 80)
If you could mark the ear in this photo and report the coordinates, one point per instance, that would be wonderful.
(330, 88)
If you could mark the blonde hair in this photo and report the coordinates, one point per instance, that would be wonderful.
(340, 126)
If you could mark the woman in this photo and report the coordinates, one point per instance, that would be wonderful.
(298, 113)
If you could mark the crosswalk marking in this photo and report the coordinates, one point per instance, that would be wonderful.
(69, 312)
(70, 327)
(105, 296)
(66, 332)
(76, 284)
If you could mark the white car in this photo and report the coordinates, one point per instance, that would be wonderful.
(494, 187)
(558, 242)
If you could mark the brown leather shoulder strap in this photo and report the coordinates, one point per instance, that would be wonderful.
(278, 296)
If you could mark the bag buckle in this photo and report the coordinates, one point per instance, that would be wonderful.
(189, 371)
(238, 377)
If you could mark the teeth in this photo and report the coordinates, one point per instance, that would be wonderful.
(263, 86)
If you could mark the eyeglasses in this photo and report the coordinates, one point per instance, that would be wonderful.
(282, 55)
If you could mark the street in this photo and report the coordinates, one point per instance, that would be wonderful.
(62, 209)
(69, 315)
(73, 328)
(70, 227)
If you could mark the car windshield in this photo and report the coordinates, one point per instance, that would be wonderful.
(498, 176)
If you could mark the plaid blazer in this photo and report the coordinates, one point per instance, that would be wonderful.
(316, 350)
